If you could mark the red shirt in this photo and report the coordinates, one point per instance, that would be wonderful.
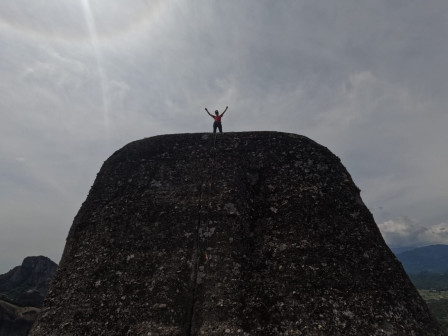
(217, 118)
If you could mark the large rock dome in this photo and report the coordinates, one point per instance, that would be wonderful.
(254, 233)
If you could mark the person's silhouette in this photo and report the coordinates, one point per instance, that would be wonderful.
(217, 117)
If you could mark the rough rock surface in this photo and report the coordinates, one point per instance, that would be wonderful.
(266, 234)
(27, 285)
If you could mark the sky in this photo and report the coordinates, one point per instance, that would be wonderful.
(81, 79)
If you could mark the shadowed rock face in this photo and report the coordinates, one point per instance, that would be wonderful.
(15, 320)
(264, 235)
(27, 285)
(23, 289)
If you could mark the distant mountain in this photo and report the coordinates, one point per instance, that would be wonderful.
(427, 259)
(22, 292)
(398, 250)
(27, 285)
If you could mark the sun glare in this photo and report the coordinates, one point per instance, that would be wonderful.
(90, 21)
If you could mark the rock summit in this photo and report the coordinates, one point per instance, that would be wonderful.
(252, 233)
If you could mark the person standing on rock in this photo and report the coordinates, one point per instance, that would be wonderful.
(217, 117)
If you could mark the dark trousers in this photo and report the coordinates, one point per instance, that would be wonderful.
(217, 124)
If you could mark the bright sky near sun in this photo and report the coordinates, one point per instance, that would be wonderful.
(80, 79)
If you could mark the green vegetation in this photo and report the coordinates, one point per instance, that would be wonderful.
(431, 281)
(433, 287)
(437, 302)
(433, 295)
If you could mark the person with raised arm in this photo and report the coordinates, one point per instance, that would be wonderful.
(217, 117)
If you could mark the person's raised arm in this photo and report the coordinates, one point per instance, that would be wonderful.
(224, 111)
(209, 113)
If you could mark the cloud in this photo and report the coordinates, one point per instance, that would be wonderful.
(60, 71)
(407, 232)
(367, 80)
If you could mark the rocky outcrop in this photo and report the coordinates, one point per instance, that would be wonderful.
(15, 320)
(27, 285)
(258, 233)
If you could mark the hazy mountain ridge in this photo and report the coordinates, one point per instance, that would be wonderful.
(27, 285)
(429, 259)
(22, 292)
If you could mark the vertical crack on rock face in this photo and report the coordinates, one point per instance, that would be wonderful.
(256, 234)
(195, 268)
